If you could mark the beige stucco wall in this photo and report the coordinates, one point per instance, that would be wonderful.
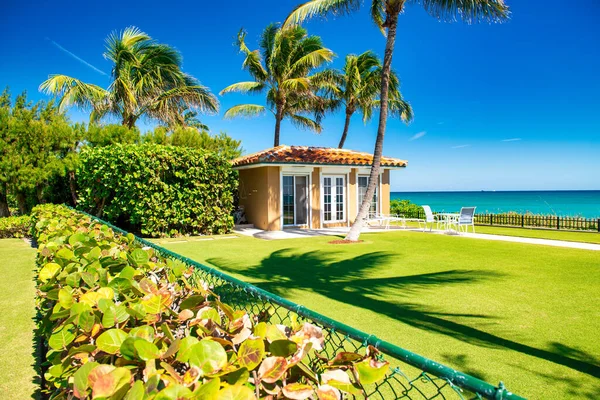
(385, 192)
(352, 201)
(260, 196)
(315, 198)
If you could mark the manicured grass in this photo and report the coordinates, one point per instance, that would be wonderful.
(18, 377)
(524, 314)
(588, 237)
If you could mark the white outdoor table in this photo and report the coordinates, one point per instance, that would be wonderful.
(448, 219)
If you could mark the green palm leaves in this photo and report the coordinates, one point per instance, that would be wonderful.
(357, 87)
(281, 70)
(146, 80)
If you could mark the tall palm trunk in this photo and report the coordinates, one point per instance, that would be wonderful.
(278, 118)
(346, 126)
(392, 24)
(73, 187)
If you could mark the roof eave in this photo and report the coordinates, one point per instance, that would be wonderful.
(281, 164)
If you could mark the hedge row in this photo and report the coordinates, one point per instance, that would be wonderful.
(122, 322)
(15, 227)
(158, 190)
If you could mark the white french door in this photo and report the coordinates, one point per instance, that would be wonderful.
(334, 198)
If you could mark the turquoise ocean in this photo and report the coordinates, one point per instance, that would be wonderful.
(580, 203)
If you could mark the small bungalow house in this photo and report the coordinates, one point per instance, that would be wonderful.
(309, 187)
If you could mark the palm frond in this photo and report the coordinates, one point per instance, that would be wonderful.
(314, 59)
(252, 62)
(303, 122)
(402, 109)
(244, 87)
(296, 84)
(245, 110)
(73, 91)
(378, 14)
(319, 8)
(469, 11)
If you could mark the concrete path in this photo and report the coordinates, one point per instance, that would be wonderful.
(304, 233)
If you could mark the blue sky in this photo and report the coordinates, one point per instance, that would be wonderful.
(497, 107)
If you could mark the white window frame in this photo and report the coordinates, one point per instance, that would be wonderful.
(378, 192)
(308, 197)
(334, 219)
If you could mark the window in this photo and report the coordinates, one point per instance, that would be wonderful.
(363, 183)
(334, 198)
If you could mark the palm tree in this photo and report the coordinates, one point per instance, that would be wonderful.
(281, 69)
(385, 14)
(357, 88)
(146, 80)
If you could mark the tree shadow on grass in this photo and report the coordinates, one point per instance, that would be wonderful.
(349, 281)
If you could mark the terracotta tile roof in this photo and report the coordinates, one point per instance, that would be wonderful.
(314, 155)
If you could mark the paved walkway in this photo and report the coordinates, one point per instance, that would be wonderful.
(304, 233)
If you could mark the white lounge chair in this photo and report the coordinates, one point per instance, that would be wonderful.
(429, 219)
(466, 218)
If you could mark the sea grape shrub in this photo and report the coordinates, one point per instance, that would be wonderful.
(158, 190)
(122, 322)
(405, 208)
(15, 227)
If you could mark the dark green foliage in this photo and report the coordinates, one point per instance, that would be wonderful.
(405, 208)
(37, 145)
(121, 321)
(15, 227)
(105, 135)
(221, 144)
(158, 190)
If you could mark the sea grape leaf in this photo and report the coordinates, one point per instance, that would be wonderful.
(146, 350)
(282, 348)
(272, 369)
(251, 353)
(109, 384)
(139, 257)
(185, 346)
(62, 337)
(136, 392)
(174, 392)
(80, 379)
(111, 340)
(65, 298)
(208, 391)
(48, 271)
(345, 357)
(208, 355)
(371, 371)
(298, 391)
(236, 392)
(191, 302)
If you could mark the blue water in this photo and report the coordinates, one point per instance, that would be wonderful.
(562, 203)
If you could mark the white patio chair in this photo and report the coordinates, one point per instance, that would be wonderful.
(466, 219)
(429, 219)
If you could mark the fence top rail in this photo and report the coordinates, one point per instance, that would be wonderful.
(455, 377)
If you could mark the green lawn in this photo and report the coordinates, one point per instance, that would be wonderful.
(18, 378)
(524, 314)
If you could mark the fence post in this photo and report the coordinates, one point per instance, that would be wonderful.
(557, 222)
(522, 220)
(491, 220)
(598, 225)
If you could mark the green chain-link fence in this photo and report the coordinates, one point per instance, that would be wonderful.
(411, 376)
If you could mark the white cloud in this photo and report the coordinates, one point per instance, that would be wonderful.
(81, 60)
(512, 140)
(418, 135)
(462, 146)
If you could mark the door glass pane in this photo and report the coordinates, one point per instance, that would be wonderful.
(327, 199)
(301, 200)
(288, 200)
(339, 198)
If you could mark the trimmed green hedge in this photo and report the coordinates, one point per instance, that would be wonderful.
(120, 321)
(15, 227)
(158, 190)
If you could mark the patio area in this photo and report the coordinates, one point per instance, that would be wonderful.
(298, 233)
